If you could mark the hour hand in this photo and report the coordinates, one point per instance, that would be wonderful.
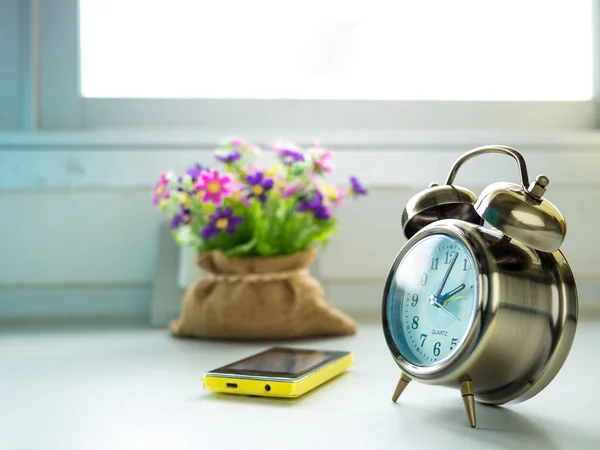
(453, 292)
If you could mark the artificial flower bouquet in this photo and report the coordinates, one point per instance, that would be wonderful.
(255, 230)
(245, 211)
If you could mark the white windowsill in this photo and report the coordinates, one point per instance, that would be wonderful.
(384, 158)
(340, 138)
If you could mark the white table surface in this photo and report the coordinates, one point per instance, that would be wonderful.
(88, 388)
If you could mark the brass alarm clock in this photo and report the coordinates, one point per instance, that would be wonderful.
(490, 310)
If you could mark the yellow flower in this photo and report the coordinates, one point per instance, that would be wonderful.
(163, 204)
(330, 192)
(184, 198)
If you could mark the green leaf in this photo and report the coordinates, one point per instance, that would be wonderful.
(265, 249)
(245, 249)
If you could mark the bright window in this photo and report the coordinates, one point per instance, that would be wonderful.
(402, 50)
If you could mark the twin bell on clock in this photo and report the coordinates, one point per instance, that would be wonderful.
(480, 298)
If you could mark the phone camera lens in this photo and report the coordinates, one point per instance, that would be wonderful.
(267, 387)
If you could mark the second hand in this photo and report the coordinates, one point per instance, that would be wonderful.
(432, 301)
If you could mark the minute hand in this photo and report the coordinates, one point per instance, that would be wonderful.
(446, 275)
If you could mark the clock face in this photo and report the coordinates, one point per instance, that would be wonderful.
(432, 300)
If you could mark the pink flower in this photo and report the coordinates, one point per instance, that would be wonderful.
(214, 186)
(322, 163)
(291, 189)
(243, 199)
(282, 144)
(160, 189)
(236, 186)
(251, 169)
(238, 193)
(234, 142)
(321, 158)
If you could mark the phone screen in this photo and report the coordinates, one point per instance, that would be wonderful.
(283, 362)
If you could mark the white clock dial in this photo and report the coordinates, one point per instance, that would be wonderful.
(432, 300)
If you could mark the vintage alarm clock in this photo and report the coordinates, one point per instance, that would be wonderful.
(490, 310)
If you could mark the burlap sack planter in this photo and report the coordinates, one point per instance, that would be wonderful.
(258, 298)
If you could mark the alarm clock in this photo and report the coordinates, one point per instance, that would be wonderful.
(480, 298)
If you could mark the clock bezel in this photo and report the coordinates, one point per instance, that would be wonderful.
(450, 366)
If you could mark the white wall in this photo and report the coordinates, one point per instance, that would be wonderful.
(79, 236)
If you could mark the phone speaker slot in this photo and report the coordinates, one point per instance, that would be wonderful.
(231, 385)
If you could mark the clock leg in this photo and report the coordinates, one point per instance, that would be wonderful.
(402, 383)
(468, 395)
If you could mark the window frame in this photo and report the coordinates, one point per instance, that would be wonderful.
(53, 101)
(96, 153)
(12, 48)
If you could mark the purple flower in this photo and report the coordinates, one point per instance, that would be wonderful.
(222, 220)
(288, 152)
(356, 188)
(230, 158)
(259, 186)
(183, 218)
(289, 157)
(315, 205)
(194, 171)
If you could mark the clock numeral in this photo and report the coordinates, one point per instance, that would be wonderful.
(436, 348)
(423, 280)
(415, 300)
(434, 263)
(465, 265)
(424, 337)
(449, 256)
(453, 343)
(415, 323)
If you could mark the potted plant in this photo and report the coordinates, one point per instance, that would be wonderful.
(256, 231)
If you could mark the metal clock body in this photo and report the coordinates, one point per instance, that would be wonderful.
(473, 307)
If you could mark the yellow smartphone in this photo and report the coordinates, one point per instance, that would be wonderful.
(278, 372)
